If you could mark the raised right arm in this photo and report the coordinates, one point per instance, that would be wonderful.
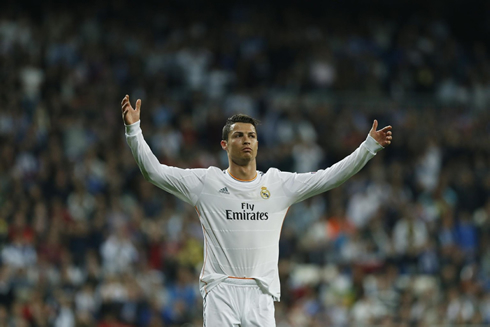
(186, 184)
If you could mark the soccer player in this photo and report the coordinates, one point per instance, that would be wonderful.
(241, 211)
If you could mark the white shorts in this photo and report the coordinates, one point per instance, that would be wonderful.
(238, 303)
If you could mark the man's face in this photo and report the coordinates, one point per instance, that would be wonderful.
(242, 144)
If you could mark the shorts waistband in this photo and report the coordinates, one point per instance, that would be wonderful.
(240, 281)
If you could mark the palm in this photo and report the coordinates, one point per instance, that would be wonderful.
(130, 115)
(383, 136)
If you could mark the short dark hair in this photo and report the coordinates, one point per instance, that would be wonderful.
(238, 118)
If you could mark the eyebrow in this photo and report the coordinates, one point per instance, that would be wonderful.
(234, 132)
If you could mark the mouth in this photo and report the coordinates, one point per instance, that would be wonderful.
(247, 150)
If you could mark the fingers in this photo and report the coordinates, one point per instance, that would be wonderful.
(125, 101)
(389, 136)
(126, 98)
(138, 105)
(386, 129)
(384, 135)
(125, 104)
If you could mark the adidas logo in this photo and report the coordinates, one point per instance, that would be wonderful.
(224, 190)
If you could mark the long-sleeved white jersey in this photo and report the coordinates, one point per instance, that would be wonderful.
(242, 220)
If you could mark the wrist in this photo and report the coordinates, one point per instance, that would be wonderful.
(133, 129)
(372, 145)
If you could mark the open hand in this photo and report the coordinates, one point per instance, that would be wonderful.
(130, 115)
(383, 136)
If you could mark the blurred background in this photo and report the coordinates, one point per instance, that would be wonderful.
(85, 241)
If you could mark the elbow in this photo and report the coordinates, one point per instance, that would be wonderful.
(149, 177)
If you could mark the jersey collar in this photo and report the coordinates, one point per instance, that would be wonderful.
(242, 180)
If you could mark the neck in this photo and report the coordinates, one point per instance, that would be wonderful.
(246, 173)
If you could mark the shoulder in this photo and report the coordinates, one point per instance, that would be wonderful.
(286, 176)
(195, 172)
(215, 171)
(274, 172)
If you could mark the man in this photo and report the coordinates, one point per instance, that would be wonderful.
(241, 211)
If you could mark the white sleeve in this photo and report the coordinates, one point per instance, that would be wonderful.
(305, 185)
(186, 184)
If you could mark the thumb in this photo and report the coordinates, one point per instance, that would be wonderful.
(375, 126)
(138, 105)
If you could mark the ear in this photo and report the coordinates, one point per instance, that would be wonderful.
(224, 145)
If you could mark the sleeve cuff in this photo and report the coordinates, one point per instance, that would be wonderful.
(372, 146)
(133, 129)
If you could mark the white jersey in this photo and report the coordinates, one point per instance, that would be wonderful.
(242, 220)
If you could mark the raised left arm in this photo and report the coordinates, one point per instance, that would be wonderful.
(303, 186)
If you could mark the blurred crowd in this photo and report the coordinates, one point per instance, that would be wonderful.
(85, 241)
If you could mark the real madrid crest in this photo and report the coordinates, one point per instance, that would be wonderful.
(264, 193)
